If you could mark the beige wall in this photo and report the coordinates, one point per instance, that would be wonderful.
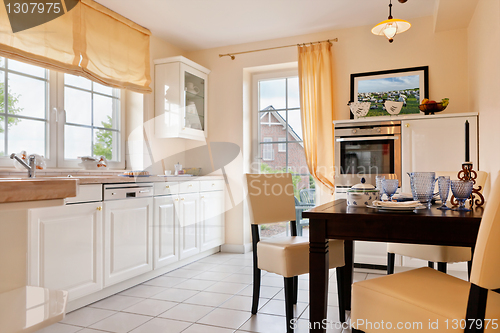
(484, 81)
(140, 114)
(357, 51)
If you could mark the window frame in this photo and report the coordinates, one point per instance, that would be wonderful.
(5, 161)
(55, 120)
(282, 146)
(73, 163)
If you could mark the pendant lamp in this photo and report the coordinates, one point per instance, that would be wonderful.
(390, 27)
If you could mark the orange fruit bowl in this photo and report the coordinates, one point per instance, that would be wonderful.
(430, 108)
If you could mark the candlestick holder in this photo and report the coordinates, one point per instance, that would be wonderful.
(467, 174)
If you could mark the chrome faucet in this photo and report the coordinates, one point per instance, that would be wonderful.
(31, 167)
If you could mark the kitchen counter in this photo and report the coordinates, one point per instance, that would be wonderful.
(401, 117)
(151, 179)
(35, 189)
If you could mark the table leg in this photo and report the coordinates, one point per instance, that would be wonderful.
(318, 274)
(348, 271)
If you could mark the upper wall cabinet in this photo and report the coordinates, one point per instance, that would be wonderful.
(180, 99)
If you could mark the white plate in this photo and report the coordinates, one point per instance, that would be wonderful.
(399, 209)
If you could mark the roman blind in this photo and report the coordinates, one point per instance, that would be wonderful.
(115, 50)
(52, 45)
(90, 40)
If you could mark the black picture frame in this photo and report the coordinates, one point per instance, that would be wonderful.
(422, 71)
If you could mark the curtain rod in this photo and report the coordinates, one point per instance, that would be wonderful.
(232, 55)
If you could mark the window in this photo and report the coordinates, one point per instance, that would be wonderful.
(278, 123)
(34, 102)
(282, 146)
(268, 150)
(92, 125)
(23, 108)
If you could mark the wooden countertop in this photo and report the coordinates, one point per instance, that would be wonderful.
(34, 189)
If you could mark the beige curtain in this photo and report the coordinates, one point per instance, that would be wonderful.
(115, 50)
(89, 40)
(53, 45)
(317, 114)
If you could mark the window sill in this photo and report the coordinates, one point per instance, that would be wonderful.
(59, 172)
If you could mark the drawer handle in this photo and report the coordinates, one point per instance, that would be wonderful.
(213, 184)
(99, 208)
(167, 186)
(144, 191)
(190, 185)
(182, 198)
(203, 197)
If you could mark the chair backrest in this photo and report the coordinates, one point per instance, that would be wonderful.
(486, 262)
(308, 196)
(271, 198)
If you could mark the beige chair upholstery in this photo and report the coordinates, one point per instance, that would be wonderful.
(271, 200)
(289, 256)
(424, 295)
(440, 254)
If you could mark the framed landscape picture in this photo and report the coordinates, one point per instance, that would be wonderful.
(407, 85)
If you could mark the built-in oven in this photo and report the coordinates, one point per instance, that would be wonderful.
(366, 150)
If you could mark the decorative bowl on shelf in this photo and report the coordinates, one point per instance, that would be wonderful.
(393, 107)
(359, 109)
(430, 107)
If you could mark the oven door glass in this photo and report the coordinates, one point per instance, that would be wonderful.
(369, 156)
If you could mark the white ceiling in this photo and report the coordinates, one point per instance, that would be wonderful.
(202, 24)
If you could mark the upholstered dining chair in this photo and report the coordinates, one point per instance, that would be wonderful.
(438, 301)
(442, 255)
(271, 200)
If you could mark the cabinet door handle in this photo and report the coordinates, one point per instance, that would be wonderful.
(182, 198)
(203, 197)
(213, 184)
(407, 125)
(99, 208)
(190, 185)
(176, 199)
(167, 186)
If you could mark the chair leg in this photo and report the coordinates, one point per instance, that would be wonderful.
(469, 268)
(391, 257)
(430, 264)
(341, 292)
(295, 289)
(256, 289)
(442, 267)
(289, 294)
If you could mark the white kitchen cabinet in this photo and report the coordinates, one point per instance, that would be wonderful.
(180, 99)
(65, 248)
(189, 228)
(436, 144)
(166, 231)
(128, 239)
(212, 219)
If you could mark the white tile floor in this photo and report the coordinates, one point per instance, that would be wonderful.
(212, 295)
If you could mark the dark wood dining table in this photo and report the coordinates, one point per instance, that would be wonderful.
(335, 220)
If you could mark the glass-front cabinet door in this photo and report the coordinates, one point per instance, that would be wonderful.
(194, 102)
(180, 99)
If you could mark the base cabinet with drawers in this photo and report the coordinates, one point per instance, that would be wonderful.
(189, 219)
(65, 248)
(128, 239)
(90, 244)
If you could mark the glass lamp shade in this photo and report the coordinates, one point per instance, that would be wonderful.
(389, 28)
